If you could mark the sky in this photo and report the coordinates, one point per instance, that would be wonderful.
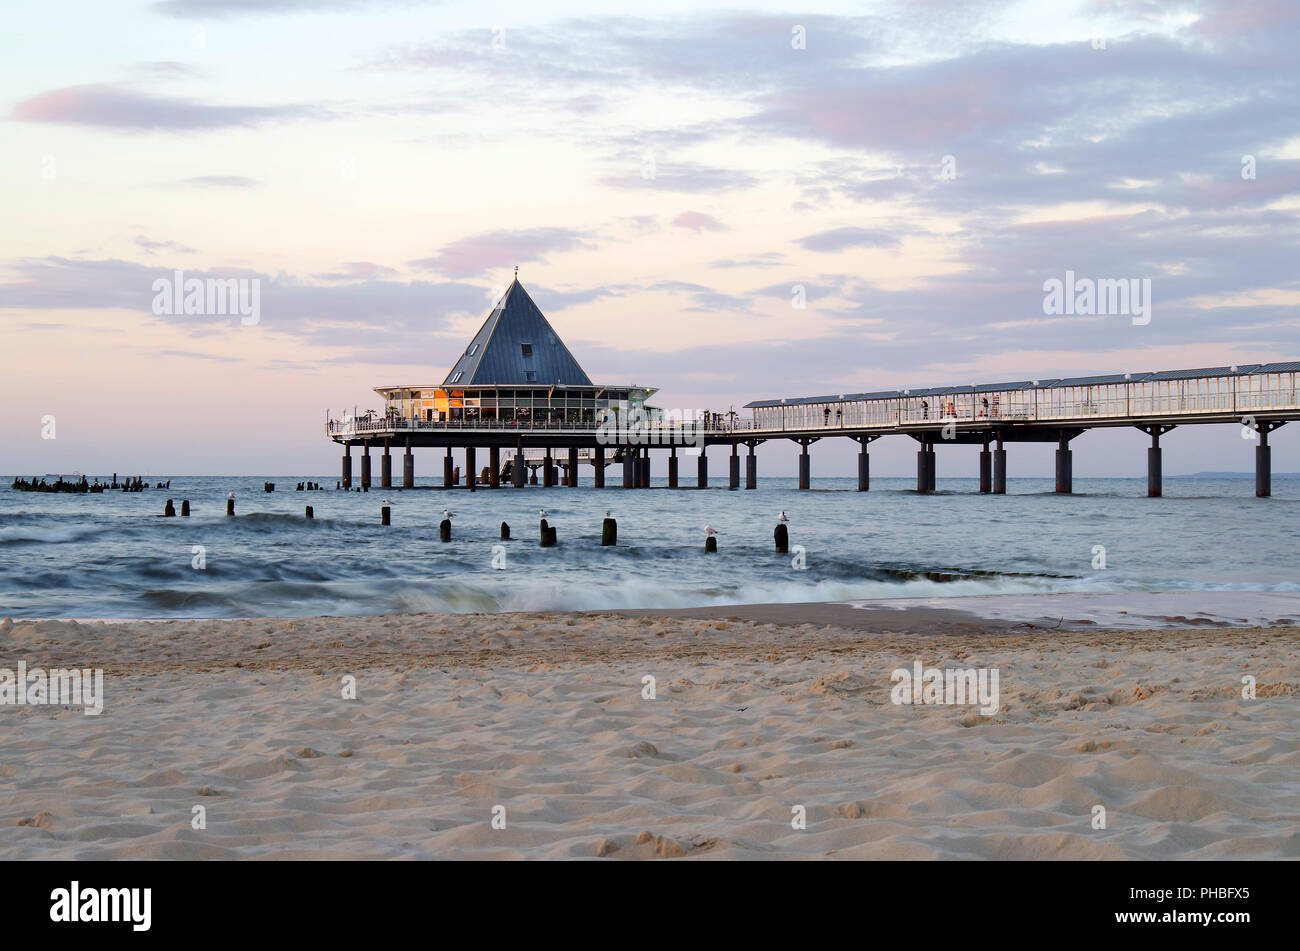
(665, 179)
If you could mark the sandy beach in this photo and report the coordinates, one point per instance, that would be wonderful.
(545, 716)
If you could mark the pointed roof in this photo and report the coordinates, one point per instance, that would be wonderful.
(518, 345)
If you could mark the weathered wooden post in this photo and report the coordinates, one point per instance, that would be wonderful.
(230, 506)
(185, 508)
(385, 516)
(444, 530)
(505, 532)
(169, 510)
(710, 544)
(782, 538)
(309, 514)
(609, 532)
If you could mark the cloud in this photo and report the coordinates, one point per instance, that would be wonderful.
(838, 239)
(471, 256)
(223, 181)
(153, 247)
(217, 9)
(698, 221)
(688, 177)
(116, 107)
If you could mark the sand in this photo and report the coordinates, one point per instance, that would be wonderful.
(544, 716)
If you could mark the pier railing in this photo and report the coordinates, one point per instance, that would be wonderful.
(363, 426)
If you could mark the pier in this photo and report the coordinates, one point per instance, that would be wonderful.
(518, 392)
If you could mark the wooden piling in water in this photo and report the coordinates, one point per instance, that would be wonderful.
(309, 514)
(609, 532)
(230, 506)
(185, 508)
(169, 510)
(711, 545)
(444, 530)
(782, 538)
(505, 532)
(385, 516)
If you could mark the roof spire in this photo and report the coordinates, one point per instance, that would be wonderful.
(516, 272)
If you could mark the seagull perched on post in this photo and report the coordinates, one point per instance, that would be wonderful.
(447, 514)
(231, 495)
(781, 518)
(389, 502)
(710, 530)
(607, 515)
(542, 513)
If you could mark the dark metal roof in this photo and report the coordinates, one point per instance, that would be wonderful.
(496, 354)
(1291, 367)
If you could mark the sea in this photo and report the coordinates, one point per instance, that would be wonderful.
(1208, 540)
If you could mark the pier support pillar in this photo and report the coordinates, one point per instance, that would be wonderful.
(598, 468)
(471, 469)
(386, 469)
(733, 474)
(925, 469)
(672, 467)
(408, 467)
(548, 470)
(805, 465)
(643, 469)
(518, 471)
(1264, 460)
(986, 470)
(347, 466)
(446, 470)
(1064, 466)
(751, 469)
(365, 465)
(702, 470)
(999, 469)
(494, 467)
(864, 462)
(1155, 487)
(573, 467)
(629, 469)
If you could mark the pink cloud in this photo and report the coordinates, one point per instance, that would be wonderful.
(698, 221)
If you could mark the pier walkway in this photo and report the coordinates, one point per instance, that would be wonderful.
(1260, 398)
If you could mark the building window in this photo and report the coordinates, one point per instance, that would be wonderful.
(530, 375)
(472, 349)
(455, 377)
(526, 349)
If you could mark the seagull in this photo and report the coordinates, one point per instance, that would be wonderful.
(231, 495)
(607, 515)
(542, 512)
(710, 530)
(781, 518)
(389, 502)
(446, 513)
